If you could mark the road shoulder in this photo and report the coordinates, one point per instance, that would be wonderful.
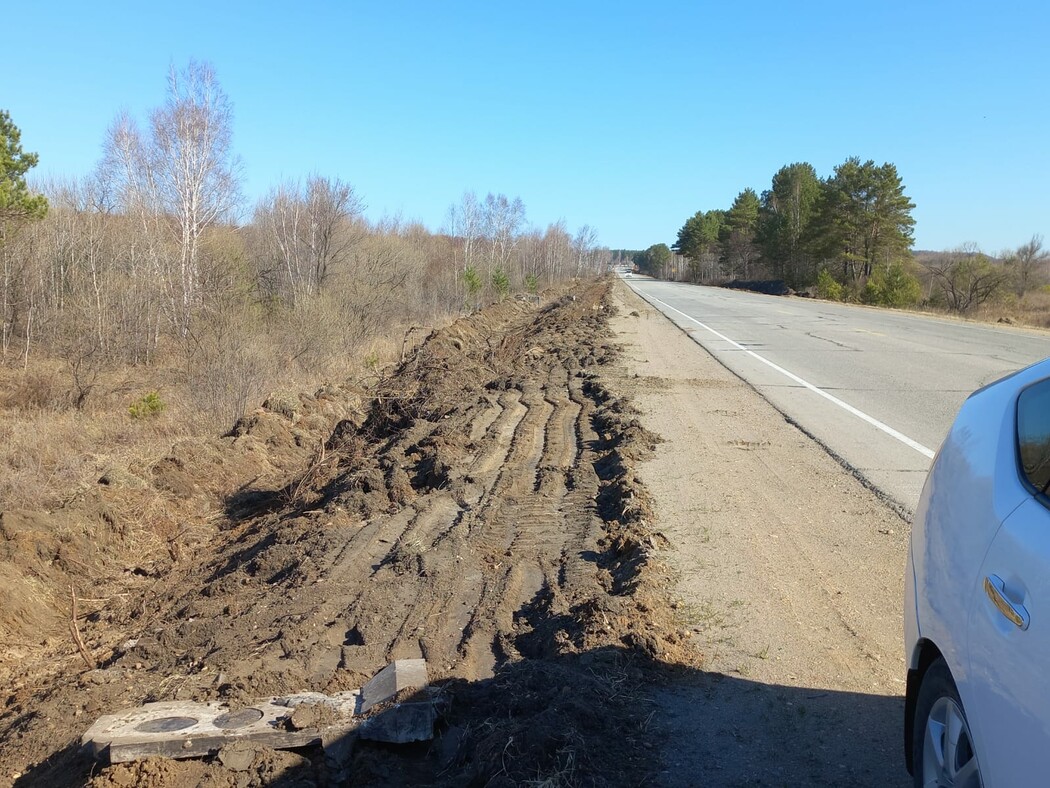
(789, 575)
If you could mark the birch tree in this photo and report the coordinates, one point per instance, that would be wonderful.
(310, 229)
(191, 158)
(179, 178)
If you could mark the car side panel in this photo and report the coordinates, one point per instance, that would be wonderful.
(959, 512)
(1009, 692)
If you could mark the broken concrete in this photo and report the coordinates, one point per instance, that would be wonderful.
(400, 724)
(398, 675)
(184, 729)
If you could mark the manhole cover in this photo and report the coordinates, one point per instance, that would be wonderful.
(166, 724)
(238, 719)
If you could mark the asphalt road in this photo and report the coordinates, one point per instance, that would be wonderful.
(878, 388)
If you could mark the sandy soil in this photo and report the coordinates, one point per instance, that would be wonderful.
(789, 573)
(621, 565)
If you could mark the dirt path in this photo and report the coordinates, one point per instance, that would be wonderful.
(789, 572)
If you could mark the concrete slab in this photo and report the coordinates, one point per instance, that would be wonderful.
(398, 675)
(182, 729)
(185, 729)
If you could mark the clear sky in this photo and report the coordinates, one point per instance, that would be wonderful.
(628, 117)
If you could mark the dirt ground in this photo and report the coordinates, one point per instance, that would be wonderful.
(621, 565)
(789, 572)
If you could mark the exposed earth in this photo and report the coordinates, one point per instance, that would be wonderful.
(621, 565)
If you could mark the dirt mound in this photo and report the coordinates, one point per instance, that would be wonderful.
(481, 512)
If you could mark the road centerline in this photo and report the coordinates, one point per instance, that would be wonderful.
(882, 426)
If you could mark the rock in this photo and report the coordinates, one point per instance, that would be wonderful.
(305, 715)
(238, 756)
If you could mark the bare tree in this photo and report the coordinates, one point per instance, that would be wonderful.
(179, 180)
(191, 160)
(1029, 262)
(471, 227)
(583, 247)
(965, 277)
(503, 220)
(310, 230)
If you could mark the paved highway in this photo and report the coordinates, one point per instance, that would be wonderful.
(878, 388)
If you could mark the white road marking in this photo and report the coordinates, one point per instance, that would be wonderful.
(886, 428)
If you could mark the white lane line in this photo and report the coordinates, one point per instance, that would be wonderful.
(923, 450)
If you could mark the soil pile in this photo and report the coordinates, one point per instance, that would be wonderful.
(480, 510)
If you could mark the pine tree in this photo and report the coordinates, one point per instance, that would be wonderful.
(17, 202)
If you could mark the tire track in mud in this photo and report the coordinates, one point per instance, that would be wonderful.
(482, 515)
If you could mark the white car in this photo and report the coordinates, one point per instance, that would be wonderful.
(977, 598)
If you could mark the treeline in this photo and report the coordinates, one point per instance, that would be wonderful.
(153, 258)
(845, 237)
(851, 226)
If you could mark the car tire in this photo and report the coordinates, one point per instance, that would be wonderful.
(942, 746)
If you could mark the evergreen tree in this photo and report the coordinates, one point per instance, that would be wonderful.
(17, 202)
(739, 251)
(864, 220)
(787, 209)
(654, 261)
(698, 240)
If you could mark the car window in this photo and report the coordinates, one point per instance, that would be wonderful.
(1033, 434)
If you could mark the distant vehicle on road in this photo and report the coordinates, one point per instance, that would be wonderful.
(977, 599)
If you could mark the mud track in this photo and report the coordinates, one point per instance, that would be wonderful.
(483, 514)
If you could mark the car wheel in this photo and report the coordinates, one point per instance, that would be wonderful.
(943, 747)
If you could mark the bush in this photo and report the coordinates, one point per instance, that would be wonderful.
(828, 287)
(501, 283)
(472, 279)
(532, 283)
(891, 286)
(150, 405)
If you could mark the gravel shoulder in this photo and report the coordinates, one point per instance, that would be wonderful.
(788, 574)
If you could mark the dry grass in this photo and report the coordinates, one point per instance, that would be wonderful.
(51, 451)
(1034, 309)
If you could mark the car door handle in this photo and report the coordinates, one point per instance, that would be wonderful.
(996, 590)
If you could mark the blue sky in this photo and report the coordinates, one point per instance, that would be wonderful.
(628, 117)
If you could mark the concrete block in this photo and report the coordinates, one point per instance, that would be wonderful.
(398, 675)
(184, 729)
(400, 724)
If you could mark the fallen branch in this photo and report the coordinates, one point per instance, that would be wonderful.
(75, 630)
(404, 342)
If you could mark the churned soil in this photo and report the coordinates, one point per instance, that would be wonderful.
(621, 564)
(478, 507)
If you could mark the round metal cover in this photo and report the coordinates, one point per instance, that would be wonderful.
(238, 719)
(166, 725)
